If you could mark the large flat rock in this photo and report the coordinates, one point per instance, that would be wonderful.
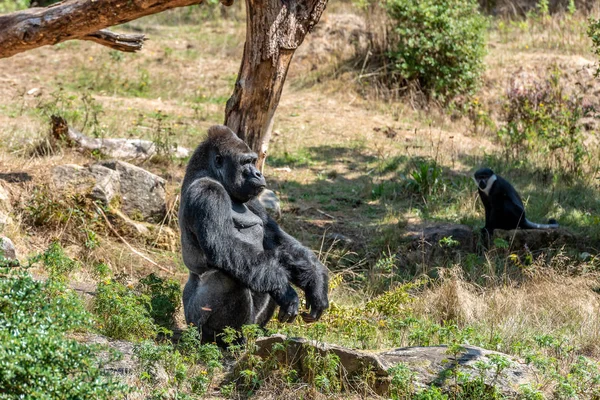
(430, 365)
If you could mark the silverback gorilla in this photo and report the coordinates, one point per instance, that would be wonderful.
(241, 264)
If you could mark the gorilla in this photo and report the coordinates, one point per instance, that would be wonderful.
(504, 208)
(241, 263)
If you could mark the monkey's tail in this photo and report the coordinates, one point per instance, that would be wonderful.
(552, 224)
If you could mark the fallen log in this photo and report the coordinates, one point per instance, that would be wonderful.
(125, 149)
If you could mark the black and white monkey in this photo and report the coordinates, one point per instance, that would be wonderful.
(241, 264)
(504, 208)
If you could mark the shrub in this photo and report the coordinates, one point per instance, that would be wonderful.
(37, 360)
(56, 262)
(165, 298)
(123, 312)
(543, 119)
(440, 44)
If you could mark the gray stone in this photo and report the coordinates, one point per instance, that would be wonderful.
(143, 193)
(108, 183)
(535, 239)
(339, 238)
(5, 199)
(429, 364)
(428, 242)
(270, 201)
(5, 220)
(99, 182)
(7, 248)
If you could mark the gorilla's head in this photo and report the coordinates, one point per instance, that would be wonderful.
(226, 158)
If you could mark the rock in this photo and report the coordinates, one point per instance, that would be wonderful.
(429, 364)
(353, 362)
(5, 199)
(535, 239)
(427, 242)
(270, 201)
(339, 238)
(5, 208)
(108, 183)
(115, 148)
(126, 365)
(101, 183)
(143, 193)
(7, 248)
(5, 220)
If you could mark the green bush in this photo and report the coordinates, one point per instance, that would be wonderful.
(440, 44)
(542, 119)
(37, 360)
(123, 312)
(56, 262)
(165, 298)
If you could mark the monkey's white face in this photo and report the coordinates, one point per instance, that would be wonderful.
(485, 185)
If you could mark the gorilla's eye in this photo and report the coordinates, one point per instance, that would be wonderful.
(219, 160)
(248, 160)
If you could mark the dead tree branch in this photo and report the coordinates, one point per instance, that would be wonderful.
(117, 41)
(78, 19)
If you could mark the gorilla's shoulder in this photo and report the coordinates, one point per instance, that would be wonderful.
(205, 188)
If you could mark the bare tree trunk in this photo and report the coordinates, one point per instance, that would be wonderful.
(275, 29)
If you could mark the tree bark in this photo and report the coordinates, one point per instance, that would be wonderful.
(76, 19)
(275, 29)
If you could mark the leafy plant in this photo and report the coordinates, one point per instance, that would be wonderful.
(165, 298)
(542, 119)
(440, 44)
(123, 312)
(37, 359)
(56, 262)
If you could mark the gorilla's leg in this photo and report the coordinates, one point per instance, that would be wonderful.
(214, 301)
(264, 308)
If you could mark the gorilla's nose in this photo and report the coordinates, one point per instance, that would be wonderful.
(256, 174)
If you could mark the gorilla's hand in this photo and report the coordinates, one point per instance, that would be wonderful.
(288, 302)
(316, 301)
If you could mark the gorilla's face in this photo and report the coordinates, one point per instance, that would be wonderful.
(237, 172)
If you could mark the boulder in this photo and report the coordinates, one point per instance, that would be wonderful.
(5, 208)
(7, 248)
(143, 193)
(101, 183)
(270, 202)
(430, 365)
(338, 238)
(5, 199)
(427, 242)
(535, 239)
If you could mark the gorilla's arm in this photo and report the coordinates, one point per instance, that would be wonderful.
(305, 270)
(207, 214)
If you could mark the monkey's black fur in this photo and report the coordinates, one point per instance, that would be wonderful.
(504, 208)
(241, 263)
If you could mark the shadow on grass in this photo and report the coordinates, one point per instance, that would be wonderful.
(352, 192)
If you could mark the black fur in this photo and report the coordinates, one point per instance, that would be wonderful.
(504, 208)
(241, 263)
